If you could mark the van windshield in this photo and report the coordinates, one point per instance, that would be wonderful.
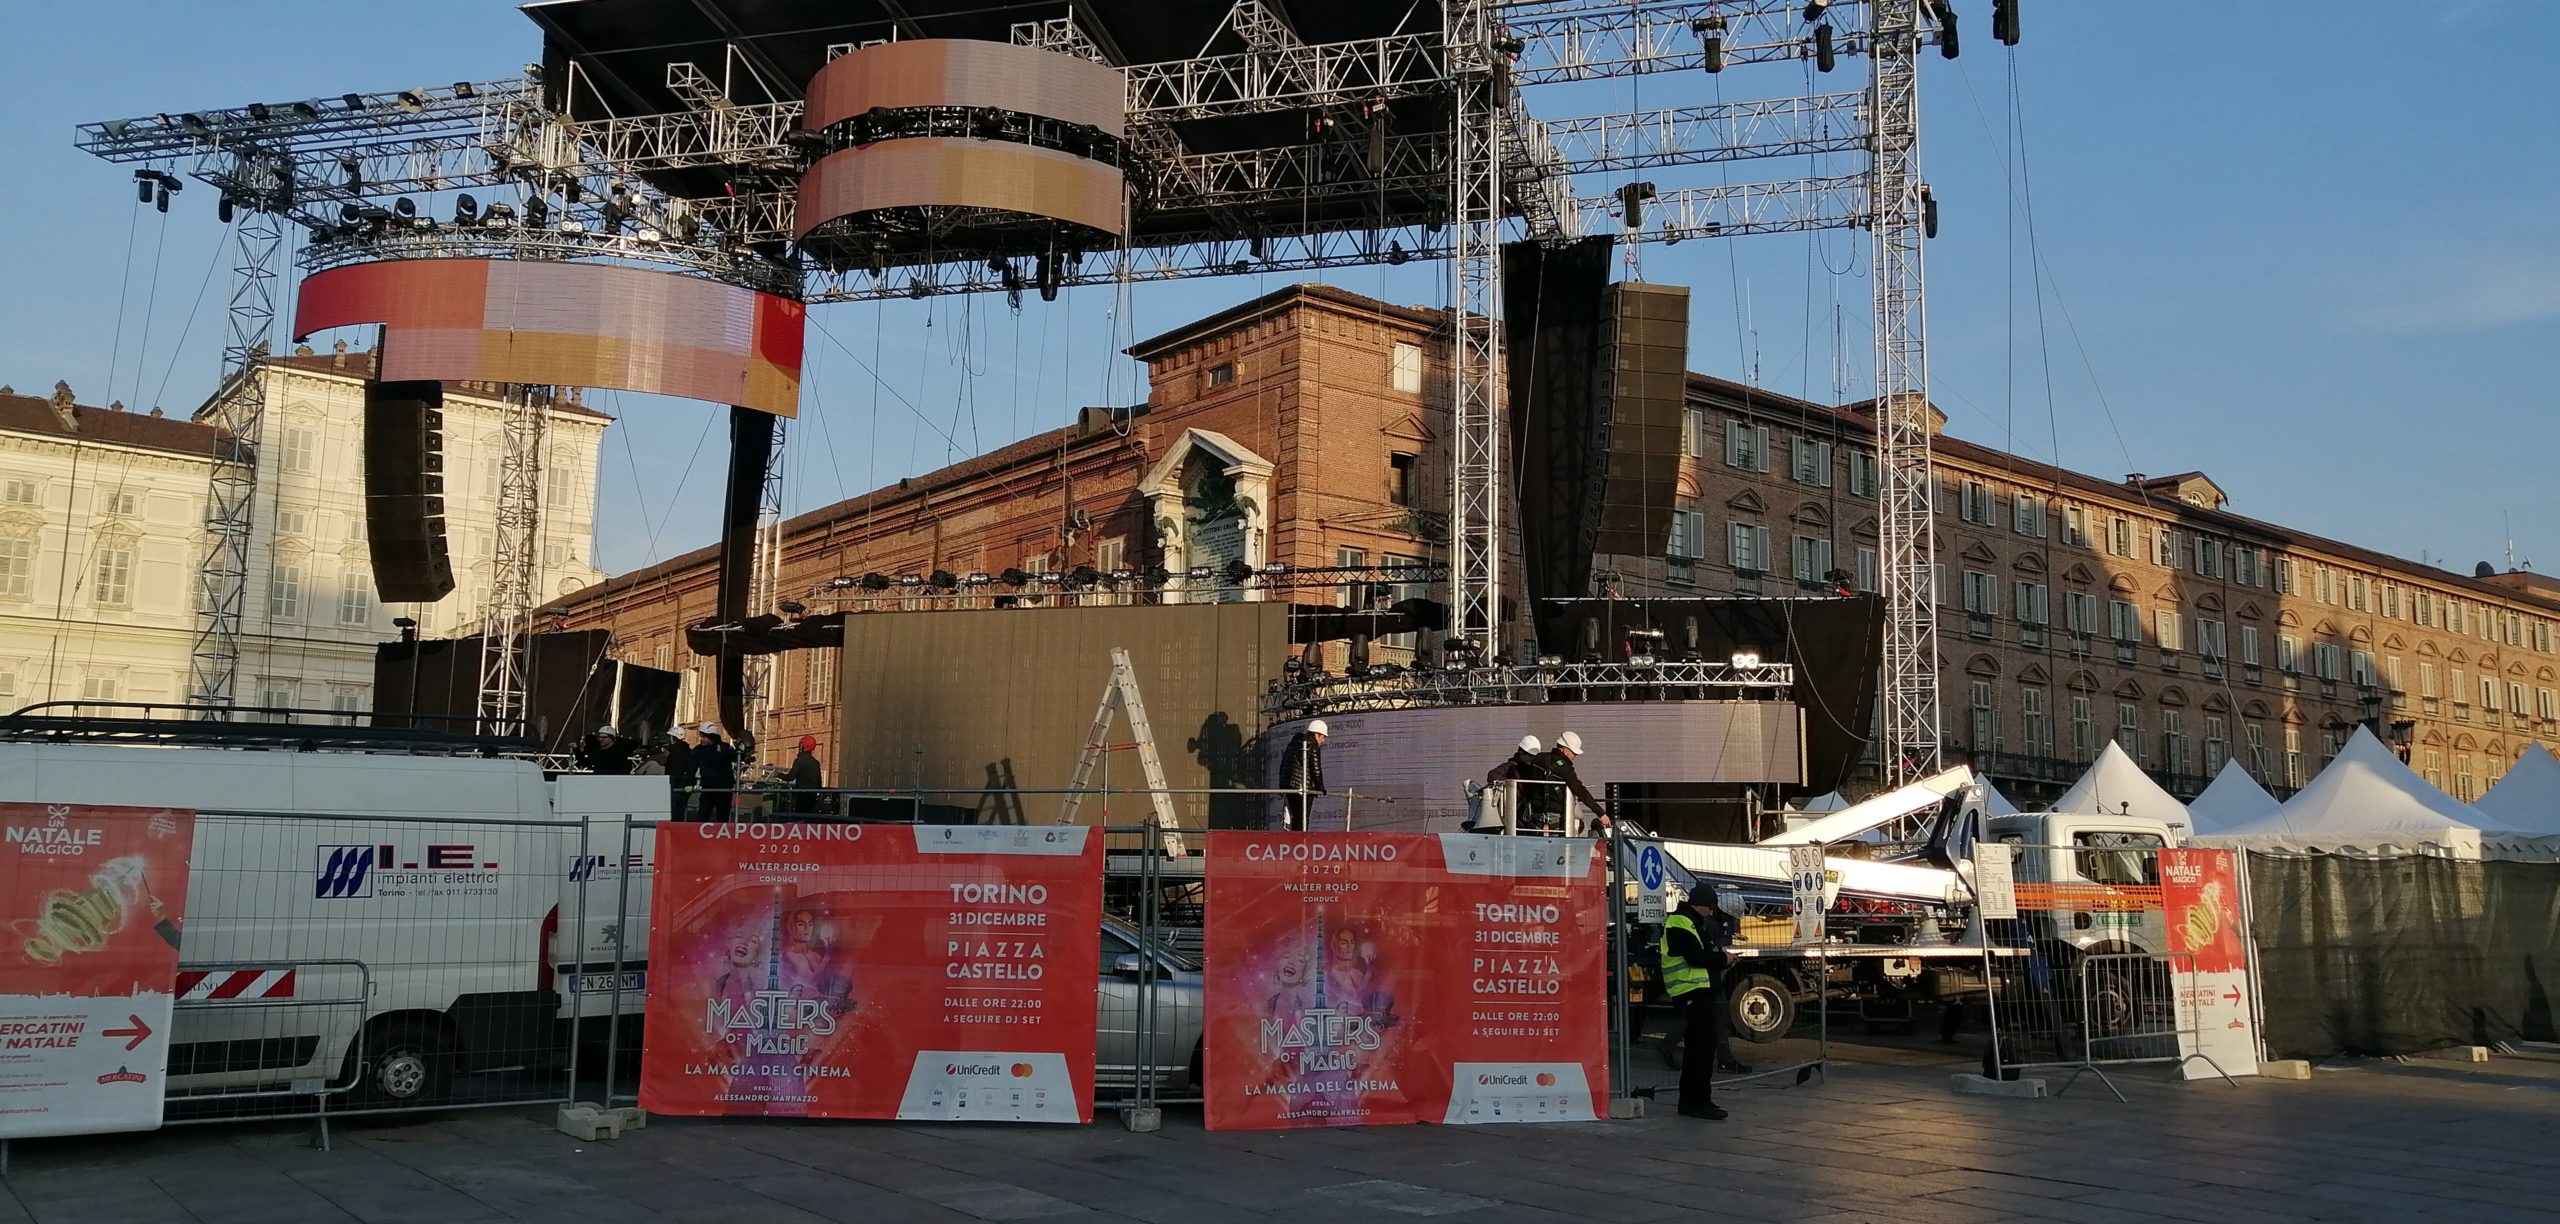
(2125, 859)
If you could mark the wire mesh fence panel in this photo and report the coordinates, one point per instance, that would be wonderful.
(364, 964)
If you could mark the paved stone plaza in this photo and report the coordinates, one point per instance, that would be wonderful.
(1884, 1140)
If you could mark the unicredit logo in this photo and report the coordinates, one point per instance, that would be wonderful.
(972, 1069)
(1490, 1080)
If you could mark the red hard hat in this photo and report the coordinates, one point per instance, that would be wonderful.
(809, 743)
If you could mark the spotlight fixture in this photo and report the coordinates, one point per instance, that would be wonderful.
(875, 582)
(944, 579)
(143, 181)
(466, 210)
(195, 123)
(500, 215)
(980, 578)
(1016, 577)
(537, 212)
(1083, 576)
(353, 168)
(222, 209)
(2004, 22)
(412, 101)
(842, 582)
(463, 89)
(1745, 657)
(1237, 573)
(1550, 660)
(259, 112)
(1396, 253)
(910, 580)
(353, 101)
(1928, 212)
(406, 207)
(1200, 573)
(1813, 10)
(792, 607)
(306, 111)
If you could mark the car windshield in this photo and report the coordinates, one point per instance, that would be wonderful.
(1119, 941)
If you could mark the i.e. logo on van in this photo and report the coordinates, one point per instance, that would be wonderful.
(343, 872)
(450, 869)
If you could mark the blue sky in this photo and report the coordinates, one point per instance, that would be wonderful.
(2314, 258)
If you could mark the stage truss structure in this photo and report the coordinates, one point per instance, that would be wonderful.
(579, 185)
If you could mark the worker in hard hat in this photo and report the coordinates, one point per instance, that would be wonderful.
(715, 762)
(1521, 770)
(605, 752)
(1689, 971)
(1302, 773)
(1557, 764)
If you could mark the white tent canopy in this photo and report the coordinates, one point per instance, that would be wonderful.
(1994, 803)
(2527, 800)
(2365, 802)
(2234, 799)
(2115, 786)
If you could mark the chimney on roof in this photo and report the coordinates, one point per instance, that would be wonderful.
(6, 389)
(115, 405)
(302, 350)
(338, 358)
(155, 414)
(65, 409)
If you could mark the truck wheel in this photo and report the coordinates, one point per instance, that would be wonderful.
(2121, 999)
(1763, 1008)
(406, 1063)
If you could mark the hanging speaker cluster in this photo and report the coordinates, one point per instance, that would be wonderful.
(404, 491)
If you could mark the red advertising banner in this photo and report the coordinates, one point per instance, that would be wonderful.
(2200, 890)
(1382, 978)
(94, 897)
(874, 971)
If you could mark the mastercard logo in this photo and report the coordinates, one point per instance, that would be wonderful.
(1546, 1080)
(1022, 1070)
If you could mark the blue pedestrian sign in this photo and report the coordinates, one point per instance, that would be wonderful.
(1649, 868)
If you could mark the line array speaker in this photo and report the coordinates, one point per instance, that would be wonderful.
(404, 491)
(1640, 391)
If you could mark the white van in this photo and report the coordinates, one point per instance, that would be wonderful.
(417, 902)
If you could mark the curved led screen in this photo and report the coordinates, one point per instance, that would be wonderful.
(949, 170)
(966, 72)
(568, 325)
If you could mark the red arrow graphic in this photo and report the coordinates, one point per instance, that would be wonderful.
(140, 1032)
(2232, 994)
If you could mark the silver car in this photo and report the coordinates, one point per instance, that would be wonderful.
(1129, 965)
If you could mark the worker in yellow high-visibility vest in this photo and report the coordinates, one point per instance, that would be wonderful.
(1689, 967)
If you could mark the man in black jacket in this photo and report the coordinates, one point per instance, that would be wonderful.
(807, 779)
(1302, 772)
(1557, 764)
(605, 752)
(683, 773)
(716, 765)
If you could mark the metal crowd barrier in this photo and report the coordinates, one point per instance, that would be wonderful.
(2089, 980)
(334, 966)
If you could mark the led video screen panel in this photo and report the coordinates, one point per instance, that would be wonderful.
(568, 325)
(964, 72)
(941, 170)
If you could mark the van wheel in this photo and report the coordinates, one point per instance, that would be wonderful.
(1763, 1008)
(406, 1063)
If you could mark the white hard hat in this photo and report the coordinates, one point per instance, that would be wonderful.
(1318, 728)
(607, 729)
(1570, 742)
(709, 728)
(1529, 743)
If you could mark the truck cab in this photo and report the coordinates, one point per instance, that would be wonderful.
(2090, 883)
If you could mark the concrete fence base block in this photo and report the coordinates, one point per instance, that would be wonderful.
(1970, 1084)
(1143, 1120)
(2285, 1069)
(589, 1122)
(2470, 1054)
(1622, 1109)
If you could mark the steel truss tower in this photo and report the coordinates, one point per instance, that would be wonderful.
(231, 502)
(1909, 685)
(1476, 400)
(506, 615)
